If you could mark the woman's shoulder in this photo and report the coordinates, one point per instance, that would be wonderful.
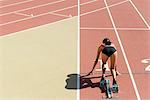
(101, 46)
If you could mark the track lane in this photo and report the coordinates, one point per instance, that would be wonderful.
(143, 7)
(23, 21)
(50, 8)
(136, 50)
(96, 19)
(86, 52)
(96, 4)
(24, 6)
(11, 17)
(30, 23)
(125, 16)
(90, 40)
(8, 2)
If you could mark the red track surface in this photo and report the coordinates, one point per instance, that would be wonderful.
(16, 15)
(135, 38)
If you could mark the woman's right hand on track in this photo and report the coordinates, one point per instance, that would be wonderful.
(90, 73)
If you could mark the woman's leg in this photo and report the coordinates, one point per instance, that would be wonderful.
(113, 67)
(117, 72)
(104, 60)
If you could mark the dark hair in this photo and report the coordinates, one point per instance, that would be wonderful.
(106, 41)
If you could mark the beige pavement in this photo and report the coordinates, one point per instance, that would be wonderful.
(34, 63)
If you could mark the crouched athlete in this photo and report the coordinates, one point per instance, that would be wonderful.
(108, 50)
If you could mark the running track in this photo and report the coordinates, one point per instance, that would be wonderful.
(126, 23)
(18, 15)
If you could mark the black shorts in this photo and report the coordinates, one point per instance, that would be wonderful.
(108, 51)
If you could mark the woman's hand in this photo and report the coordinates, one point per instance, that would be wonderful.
(90, 73)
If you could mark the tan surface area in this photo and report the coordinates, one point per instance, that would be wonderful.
(34, 63)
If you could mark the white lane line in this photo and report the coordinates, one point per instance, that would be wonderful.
(119, 3)
(33, 7)
(71, 7)
(139, 13)
(65, 8)
(53, 12)
(23, 14)
(124, 54)
(31, 18)
(92, 11)
(46, 5)
(40, 15)
(78, 52)
(61, 15)
(16, 3)
(5, 35)
(88, 2)
(134, 29)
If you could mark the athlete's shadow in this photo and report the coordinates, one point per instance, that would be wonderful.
(76, 81)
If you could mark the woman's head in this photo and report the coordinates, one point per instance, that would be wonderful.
(106, 41)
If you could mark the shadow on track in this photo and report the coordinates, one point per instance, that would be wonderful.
(76, 81)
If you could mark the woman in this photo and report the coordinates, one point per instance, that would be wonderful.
(108, 50)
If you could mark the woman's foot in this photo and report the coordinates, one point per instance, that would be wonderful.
(115, 87)
(102, 84)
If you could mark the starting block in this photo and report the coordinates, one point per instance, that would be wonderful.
(115, 88)
(105, 87)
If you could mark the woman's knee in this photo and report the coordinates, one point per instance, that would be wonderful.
(113, 67)
(103, 64)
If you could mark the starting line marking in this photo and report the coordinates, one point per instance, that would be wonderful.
(147, 68)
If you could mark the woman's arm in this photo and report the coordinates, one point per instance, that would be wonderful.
(97, 57)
